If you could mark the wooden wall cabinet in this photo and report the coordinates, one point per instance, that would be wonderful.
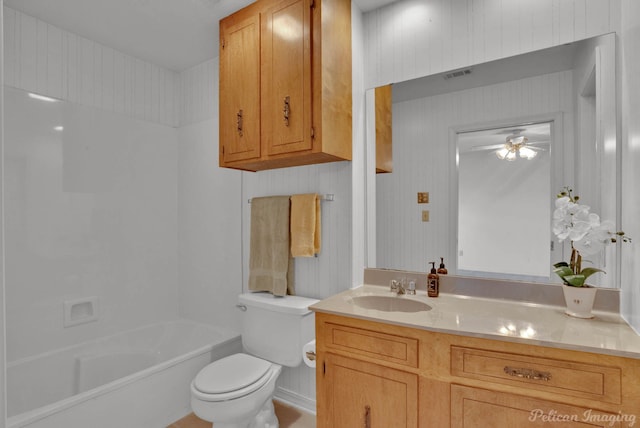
(384, 122)
(285, 84)
(378, 375)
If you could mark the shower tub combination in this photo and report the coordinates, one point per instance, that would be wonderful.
(139, 378)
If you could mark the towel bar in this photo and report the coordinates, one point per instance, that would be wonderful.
(324, 197)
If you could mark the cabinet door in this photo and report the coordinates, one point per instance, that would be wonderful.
(365, 395)
(240, 86)
(474, 407)
(384, 120)
(286, 77)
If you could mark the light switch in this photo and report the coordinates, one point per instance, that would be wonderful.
(423, 197)
(425, 215)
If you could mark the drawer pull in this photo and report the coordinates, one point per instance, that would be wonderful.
(239, 122)
(527, 373)
(286, 110)
(367, 416)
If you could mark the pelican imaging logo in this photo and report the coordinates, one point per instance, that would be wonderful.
(588, 416)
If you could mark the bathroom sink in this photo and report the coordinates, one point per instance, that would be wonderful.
(390, 304)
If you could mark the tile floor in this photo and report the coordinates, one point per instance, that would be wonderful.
(289, 417)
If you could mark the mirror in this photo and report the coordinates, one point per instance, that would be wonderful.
(570, 88)
(504, 182)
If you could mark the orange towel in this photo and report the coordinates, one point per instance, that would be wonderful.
(305, 225)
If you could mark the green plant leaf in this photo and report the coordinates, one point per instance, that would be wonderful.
(563, 271)
(561, 264)
(575, 280)
(587, 272)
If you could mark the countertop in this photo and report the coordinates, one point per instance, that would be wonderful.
(529, 323)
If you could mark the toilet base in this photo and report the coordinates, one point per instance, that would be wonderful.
(266, 418)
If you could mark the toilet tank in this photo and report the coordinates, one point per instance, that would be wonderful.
(276, 328)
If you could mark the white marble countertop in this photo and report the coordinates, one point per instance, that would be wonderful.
(530, 323)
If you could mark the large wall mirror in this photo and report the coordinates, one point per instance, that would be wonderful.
(492, 144)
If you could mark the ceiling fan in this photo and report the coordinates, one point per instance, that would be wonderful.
(516, 145)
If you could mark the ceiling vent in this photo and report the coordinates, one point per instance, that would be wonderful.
(457, 73)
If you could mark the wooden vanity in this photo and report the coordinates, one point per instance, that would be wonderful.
(380, 375)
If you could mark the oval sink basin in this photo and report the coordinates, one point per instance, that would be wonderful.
(390, 304)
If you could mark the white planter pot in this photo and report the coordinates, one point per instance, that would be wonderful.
(579, 300)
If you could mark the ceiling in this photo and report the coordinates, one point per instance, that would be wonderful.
(175, 34)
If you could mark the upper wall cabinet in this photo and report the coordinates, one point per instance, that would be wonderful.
(285, 84)
(383, 111)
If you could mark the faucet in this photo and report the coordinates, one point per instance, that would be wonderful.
(412, 288)
(398, 286)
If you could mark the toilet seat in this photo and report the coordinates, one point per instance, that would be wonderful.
(232, 377)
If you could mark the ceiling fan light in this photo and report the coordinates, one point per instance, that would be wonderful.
(511, 156)
(502, 153)
(516, 139)
(527, 153)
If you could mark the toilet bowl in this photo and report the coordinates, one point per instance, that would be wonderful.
(237, 391)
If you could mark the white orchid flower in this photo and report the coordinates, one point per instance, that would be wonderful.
(587, 234)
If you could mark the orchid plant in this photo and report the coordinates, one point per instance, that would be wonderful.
(588, 236)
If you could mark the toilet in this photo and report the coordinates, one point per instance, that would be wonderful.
(237, 391)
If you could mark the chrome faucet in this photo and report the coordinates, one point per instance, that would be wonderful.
(412, 287)
(398, 286)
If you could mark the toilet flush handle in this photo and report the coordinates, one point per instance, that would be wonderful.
(243, 308)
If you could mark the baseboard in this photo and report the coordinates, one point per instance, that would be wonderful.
(290, 398)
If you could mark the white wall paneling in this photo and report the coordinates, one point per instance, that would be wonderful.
(359, 162)
(630, 87)
(42, 58)
(3, 353)
(199, 94)
(209, 244)
(413, 38)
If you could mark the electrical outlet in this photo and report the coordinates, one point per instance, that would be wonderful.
(425, 215)
(423, 197)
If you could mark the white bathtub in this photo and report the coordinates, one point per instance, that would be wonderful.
(136, 379)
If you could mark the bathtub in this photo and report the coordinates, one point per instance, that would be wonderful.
(135, 379)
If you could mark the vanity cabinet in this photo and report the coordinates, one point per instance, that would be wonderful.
(285, 84)
(429, 379)
(360, 393)
(363, 394)
(481, 408)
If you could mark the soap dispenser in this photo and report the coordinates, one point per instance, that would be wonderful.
(442, 270)
(433, 282)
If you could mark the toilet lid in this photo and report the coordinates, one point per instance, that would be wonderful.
(231, 373)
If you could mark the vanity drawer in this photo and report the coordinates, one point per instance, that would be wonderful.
(558, 376)
(379, 346)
